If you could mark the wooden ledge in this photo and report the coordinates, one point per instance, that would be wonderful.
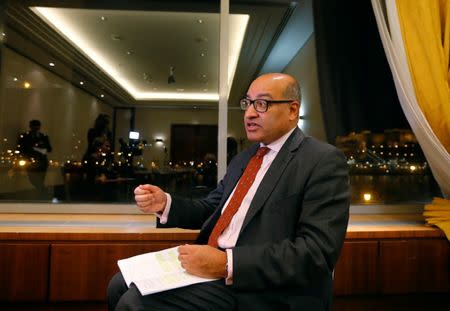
(141, 228)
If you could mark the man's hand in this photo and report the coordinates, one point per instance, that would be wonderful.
(150, 199)
(203, 260)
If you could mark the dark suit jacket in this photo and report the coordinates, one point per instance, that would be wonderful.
(294, 230)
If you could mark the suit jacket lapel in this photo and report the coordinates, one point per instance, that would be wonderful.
(274, 173)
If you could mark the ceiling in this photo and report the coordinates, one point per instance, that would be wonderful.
(141, 49)
(122, 54)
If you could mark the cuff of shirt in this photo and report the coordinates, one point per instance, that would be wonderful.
(229, 279)
(165, 214)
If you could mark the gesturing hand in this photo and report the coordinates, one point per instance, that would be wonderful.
(203, 260)
(150, 199)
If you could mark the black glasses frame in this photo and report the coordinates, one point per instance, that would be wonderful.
(261, 105)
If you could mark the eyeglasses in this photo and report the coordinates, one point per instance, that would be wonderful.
(261, 105)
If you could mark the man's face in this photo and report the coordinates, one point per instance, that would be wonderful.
(268, 126)
(35, 128)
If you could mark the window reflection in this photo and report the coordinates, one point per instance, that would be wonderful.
(387, 167)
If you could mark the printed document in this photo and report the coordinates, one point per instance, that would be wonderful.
(157, 272)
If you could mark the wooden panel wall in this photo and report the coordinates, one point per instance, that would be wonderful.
(356, 271)
(410, 266)
(82, 271)
(24, 272)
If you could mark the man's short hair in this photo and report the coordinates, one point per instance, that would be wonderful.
(34, 123)
(293, 91)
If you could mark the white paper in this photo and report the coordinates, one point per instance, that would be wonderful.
(157, 272)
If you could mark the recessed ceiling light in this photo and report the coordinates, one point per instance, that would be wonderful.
(116, 37)
(202, 54)
(15, 79)
(129, 52)
(195, 107)
(203, 76)
(200, 21)
(51, 64)
(27, 85)
(3, 34)
(200, 39)
(103, 18)
(102, 95)
(81, 82)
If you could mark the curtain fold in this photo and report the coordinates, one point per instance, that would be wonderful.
(401, 62)
(425, 31)
(356, 92)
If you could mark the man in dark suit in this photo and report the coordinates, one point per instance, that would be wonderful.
(34, 146)
(273, 228)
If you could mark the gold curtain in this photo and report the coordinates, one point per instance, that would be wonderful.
(438, 214)
(425, 28)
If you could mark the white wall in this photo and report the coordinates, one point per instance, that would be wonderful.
(304, 67)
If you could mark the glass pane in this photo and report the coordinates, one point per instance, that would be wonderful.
(387, 167)
(116, 88)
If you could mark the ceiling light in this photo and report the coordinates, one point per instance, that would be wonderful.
(171, 78)
(102, 95)
(103, 18)
(129, 52)
(202, 54)
(51, 64)
(200, 21)
(177, 96)
(116, 37)
(81, 82)
(26, 85)
(146, 77)
(200, 39)
(15, 79)
(203, 76)
(3, 34)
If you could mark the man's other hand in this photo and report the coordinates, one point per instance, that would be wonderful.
(150, 199)
(203, 260)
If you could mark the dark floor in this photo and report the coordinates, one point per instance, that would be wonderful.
(411, 302)
(433, 302)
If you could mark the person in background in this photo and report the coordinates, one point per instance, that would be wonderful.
(272, 230)
(98, 158)
(34, 146)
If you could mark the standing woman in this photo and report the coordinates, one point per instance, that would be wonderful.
(98, 157)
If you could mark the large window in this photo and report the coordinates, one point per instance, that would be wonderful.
(94, 95)
(97, 97)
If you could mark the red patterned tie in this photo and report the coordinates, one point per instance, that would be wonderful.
(242, 188)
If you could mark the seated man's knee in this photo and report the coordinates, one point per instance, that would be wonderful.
(116, 288)
(130, 300)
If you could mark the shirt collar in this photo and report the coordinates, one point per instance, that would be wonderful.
(277, 144)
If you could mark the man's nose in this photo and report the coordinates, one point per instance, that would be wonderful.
(250, 112)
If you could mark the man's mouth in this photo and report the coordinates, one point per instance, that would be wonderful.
(251, 126)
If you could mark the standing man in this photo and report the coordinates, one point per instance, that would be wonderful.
(34, 146)
(273, 228)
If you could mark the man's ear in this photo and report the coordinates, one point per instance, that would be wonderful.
(294, 110)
